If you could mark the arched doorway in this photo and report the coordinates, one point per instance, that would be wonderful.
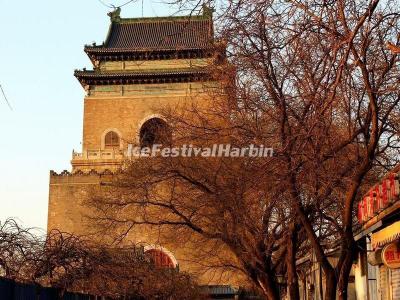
(161, 257)
(155, 131)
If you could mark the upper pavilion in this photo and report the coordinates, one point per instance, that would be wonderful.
(153, 42)
(143, 65)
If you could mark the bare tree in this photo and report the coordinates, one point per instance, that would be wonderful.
(226, 205)
(17, 249)
(318, 82)
(70, 263)
(322, 73)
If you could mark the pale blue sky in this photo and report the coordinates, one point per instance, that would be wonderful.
(41, 43)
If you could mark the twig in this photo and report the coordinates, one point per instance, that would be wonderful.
(5, 98)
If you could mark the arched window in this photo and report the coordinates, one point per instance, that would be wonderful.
(159, 258)
(154, 131)
(111, 140)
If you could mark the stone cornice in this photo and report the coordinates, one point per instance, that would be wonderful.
(92, 172)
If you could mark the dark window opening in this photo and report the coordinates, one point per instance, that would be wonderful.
(154, 131)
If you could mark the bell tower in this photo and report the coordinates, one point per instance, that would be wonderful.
(143, 65)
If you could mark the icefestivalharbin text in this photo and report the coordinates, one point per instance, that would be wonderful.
(216, 150)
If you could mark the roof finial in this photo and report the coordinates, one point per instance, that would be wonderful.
(115, 15)
(207, 11)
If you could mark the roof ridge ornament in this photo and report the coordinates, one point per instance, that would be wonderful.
(115, 15)
(208, 11)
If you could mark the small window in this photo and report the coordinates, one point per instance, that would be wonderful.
(111, 140)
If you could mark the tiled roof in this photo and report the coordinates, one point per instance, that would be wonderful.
(169, 35)
(219, 290)
(159, 38)
(150, 73)
(136, 35)
(159, 76)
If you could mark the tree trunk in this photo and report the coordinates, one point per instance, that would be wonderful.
(269, 287)
(292, 278)
(264, 278)
(330, 286)
(349, 252)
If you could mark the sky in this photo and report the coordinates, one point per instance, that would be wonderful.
(41, 44)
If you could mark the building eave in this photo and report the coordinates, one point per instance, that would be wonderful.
(117, 78)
